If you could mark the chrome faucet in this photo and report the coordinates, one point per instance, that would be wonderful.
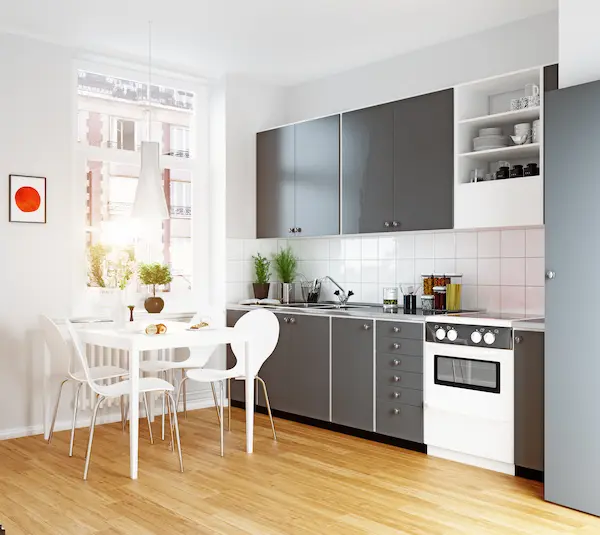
(340, 292)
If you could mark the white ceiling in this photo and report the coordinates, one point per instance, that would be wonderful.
(281, 41)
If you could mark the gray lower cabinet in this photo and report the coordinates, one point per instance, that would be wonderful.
(352, 373)
(529, 399)
(297, 373)
(237, 387)
(399, 380)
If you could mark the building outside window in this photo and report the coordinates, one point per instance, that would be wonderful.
(112, 123)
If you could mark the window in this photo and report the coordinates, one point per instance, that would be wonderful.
(112, 123)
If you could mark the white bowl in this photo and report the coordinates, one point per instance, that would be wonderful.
(489, 142)
(490, 132)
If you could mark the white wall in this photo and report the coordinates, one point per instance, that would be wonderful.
(579, 42)
(250, 107)
(527, 43)
(36, 138)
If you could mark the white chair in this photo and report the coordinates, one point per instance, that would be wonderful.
(198, 358)
(120, 389)
(264, 328)
(59, 349)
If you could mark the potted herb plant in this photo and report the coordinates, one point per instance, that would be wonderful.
(262, 272)
(154, 274)
(286, 266)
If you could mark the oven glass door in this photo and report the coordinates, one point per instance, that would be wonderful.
(483, 375)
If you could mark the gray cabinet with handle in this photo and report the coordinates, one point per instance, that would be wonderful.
(237, 387)
(297, 374)
(352, 373)
(529, 400)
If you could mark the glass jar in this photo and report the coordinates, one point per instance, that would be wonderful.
(439, 280)
(390, 298)
(427, 284)
(439, 293)
(427, 303)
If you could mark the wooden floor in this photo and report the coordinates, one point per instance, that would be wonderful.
(311, 481)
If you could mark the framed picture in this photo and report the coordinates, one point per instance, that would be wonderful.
(26, 199)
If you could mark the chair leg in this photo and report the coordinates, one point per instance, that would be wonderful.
(146, 408)
(123, 413)
(221, 423)
(91, 439)
(162, 432)
(74, 422)
(214, 393)
(172, 402)
(180, 391)
(184, 395)
(228, 404)
(56, 410)
(268, 406)
(172, 443)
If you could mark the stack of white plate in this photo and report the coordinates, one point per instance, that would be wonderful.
(490, 138)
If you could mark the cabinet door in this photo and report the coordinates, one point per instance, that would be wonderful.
(551, 78)
(424, 162)
(367, 169)
(352, 373)
(529, 400)
(317, 180)
(237, 387)
(275, 182)
(297, 374)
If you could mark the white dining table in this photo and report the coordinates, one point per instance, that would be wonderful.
(137, 341)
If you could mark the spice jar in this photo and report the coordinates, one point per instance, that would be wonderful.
(516, 171)
(439, 293)
(427, 284)
(427, 303)
(438, 280)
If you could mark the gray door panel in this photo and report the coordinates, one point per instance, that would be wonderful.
(572, 362)
(237, 387)
(352, 373)
(317, 177)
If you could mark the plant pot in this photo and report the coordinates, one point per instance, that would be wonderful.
(261, 290)
(154, 305)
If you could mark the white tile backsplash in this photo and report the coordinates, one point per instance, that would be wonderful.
(502, 269)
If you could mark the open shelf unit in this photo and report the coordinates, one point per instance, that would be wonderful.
(510, 202)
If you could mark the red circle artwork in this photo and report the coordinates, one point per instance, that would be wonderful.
(27, 199)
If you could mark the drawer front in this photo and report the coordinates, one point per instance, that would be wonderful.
(400, 346)
(398, 329)
(404, 363)
(400, 420)
(406, 396)
(387, 377)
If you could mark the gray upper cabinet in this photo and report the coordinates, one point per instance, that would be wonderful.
(424, 162)
(275, 182)
(529, 400)
(368, 169)
(317, 181)
(298, 180)
(297, 374)
(352, 373)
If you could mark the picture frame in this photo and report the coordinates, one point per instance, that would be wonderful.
(26, 199)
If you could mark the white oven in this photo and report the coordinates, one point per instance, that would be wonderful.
(469, 394)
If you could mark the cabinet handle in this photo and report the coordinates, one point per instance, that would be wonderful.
(395, 224)
(396, 379)
(396, 345)
(518, 339)
(396, 362)
(366, 327)
(291, 230)
(386, 224)
(396, 329)
(299, 229)
(396, 395)
(395, 411)
(286, 320)
(292, 320)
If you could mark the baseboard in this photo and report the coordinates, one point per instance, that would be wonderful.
(529, 473)
(338, 428)
(194, 402)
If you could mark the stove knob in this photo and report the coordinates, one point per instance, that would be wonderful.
(489, 338)
(452, 335)
(475, 337)
(440, 334)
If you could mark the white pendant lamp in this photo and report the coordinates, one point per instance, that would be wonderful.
(150, 202)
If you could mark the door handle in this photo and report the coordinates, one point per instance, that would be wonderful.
(550, 275)
(518, 339)
(386, 224)
(286, 320)
(395, 224)
(292, 320)
(366, 327)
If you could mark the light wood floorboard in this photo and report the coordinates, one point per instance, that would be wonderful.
(311, 481)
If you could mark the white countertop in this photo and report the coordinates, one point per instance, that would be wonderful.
(538, 325)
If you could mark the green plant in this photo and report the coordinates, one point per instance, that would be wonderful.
(155, 274)
(286, 265)
(262, 269)
(96, 257)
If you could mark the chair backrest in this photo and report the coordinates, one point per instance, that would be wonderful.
(57, 345)
(263, 327)
(79, 350)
